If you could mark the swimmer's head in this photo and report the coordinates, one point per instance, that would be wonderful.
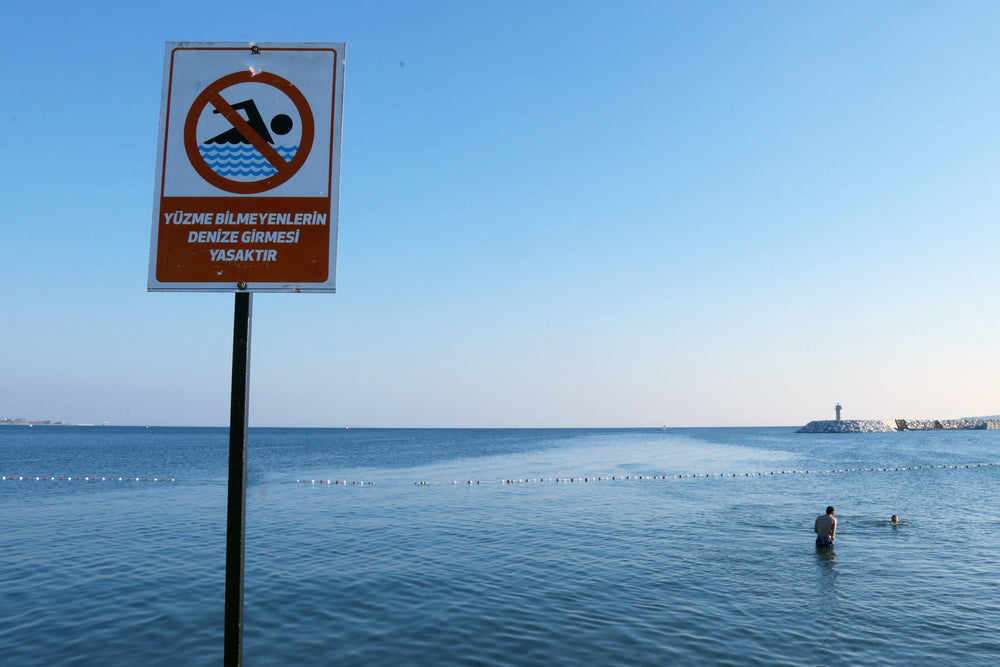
(895, 519)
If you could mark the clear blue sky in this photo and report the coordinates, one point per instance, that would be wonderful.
(552, 214)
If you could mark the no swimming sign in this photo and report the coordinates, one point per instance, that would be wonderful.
(248, 168)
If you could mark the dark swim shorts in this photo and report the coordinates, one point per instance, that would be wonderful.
(823, 542)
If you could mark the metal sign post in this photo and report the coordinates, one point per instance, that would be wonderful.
(237, 505)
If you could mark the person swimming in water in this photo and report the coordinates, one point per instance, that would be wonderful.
(894, 521)
(825, 528)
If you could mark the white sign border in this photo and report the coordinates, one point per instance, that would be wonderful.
(329, 286)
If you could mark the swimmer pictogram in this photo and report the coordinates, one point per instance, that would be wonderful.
(280, 124)
(243, 157)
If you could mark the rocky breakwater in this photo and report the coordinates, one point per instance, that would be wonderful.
(890, 425)
(849, 426)
(942, 424)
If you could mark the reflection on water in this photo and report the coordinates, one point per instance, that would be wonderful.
(826, 559)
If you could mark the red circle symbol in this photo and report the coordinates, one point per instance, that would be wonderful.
(285, 169)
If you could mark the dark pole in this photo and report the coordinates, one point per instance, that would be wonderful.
(235, 524)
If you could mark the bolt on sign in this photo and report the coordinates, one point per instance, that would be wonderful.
(248, 168)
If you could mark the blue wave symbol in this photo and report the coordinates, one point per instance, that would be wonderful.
(242, 161)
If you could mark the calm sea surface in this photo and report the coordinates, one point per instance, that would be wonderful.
(421, 567)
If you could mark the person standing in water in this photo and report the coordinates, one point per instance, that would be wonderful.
(825, 528)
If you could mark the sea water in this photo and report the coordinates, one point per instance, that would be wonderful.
(458, 547)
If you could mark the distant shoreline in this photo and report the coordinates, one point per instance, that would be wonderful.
(41, 422)
(33, 422)
(52, 422)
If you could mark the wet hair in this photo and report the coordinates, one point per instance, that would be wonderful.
(829, 510)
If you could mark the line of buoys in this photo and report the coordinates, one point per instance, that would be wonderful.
(329, 482)
(526, 480)
(586, 479)
(53, 478)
